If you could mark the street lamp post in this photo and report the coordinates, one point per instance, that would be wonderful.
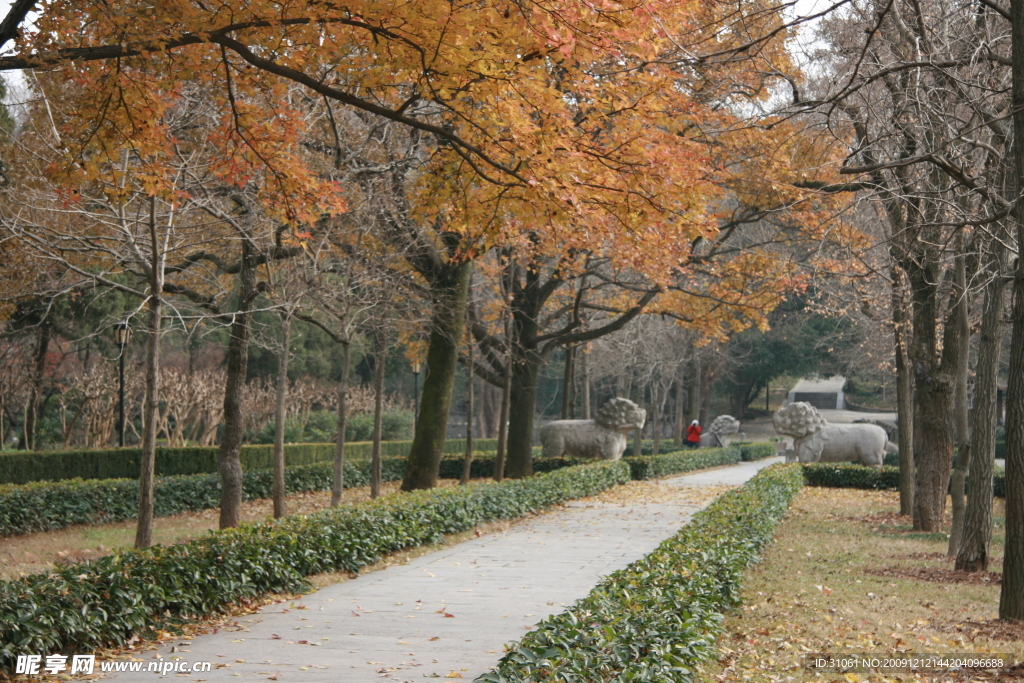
(121, 335)
(416, 367)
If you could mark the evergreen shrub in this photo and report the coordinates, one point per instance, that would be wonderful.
(23, 467)
(80, 607)
(656, 619)
(852, 476)
(757, 451)
(654, 466)
(47, 506)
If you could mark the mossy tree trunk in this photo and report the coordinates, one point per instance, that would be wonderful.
(237, 363)
(450, 288)
(521, 408)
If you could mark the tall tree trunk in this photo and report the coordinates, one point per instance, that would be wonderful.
(378, 414)
(237, 363)
(677, 431)
(490, 406)
(282, 393)
(147, 464)
(1011, 596)
(904, 397)
(451, 290)
(481, 412)
(522, 402)
(585, 361)
(741, 395)
(338, 485)
(656, 407)
(693, 396)
(972, 555)
(933, 436)
(467, 461)
(963, 452)
(503, 413)
(568, 378)
(35, 393)
(934, 375)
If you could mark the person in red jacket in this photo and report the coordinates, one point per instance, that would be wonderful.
(693, 435)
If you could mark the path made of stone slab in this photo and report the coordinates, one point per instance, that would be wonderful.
(448, 614)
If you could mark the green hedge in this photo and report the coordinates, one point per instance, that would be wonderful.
(757, 451)
(46, 506)
(664, 448)
(22, 467)
(84, 606)
(851, 476)
(656, 619)
(653, 466)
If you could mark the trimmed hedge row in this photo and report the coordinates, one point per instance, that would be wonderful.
(84, 606)
(656, 619)
(654, 466)
(23, 467)
(46, 506)
(851, 476)
(757, 451)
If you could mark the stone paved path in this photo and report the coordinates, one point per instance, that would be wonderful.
(445, 615)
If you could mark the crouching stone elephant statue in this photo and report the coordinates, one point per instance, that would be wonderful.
(603, 437)
(719, 432)
(815, 440)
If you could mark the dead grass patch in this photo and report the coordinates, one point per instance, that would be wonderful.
(839, 580)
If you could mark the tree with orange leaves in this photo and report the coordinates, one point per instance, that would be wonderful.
(165, 188)
(547, 127)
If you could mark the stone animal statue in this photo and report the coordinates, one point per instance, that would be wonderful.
(603, 437)
(720, 432)
(815, 440)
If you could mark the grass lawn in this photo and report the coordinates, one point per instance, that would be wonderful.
(845, 575)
